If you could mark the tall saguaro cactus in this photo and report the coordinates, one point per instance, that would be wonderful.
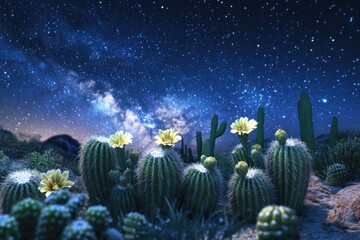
(260, 117)
(306, 122)
(215, 132)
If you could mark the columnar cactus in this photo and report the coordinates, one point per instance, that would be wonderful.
(249, 190)
(19, 185)
(289, 164)
(135, 226)
(306, 122)
(99, 217)
(277, 223)
(9, 228)
(215, 132)
(260, 117)
(336, 174)
(97, 158)
(123, 200)
(27, 212)
(52, 221)
(79, 229)
(202, 187)
(159, 179)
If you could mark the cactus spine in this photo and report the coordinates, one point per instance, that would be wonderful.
(27, 212)
(306, 122)
(260, 117)
(289, 163)
(333, 132)
(249, 190)
(159, 179)
(52, 221)
(336, 174)
(19, 185)
(97, 158)
(202, 187)
(277, 223)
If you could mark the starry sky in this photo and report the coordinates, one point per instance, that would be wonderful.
(89, 68)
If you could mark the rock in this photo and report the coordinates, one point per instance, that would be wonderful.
(346, 208)
(65, 145)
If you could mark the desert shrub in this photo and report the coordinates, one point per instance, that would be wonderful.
(41, 161)
(347, 152)
(15, 148)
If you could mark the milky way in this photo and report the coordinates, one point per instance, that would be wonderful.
(93, 67)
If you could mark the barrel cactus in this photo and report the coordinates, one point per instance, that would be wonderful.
(76, 203)
(60, 197)
(19, 185)
(277, 223)
(99, 217)
(336, 174)
(27, 212)
(79, 229)
(135, 226)
(123, 199)
(240, 153)
(52, 221)
(9, 228)
(249, 190)
(97, 158)
(202, 187)
(159, 179)
(289, 165)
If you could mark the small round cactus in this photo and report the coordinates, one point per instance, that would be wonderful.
(336, 174)
(240, 153)
(99, 217)
(9, 228)
(27, 212)
(60, 197)
(76, 203)
(277, 223)
(52, 221)
(123, 200)
(79, 229)
(135, 226)
(19, 185)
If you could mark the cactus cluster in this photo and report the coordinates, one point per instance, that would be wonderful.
(289, 164)
(202, 187)
(249, 190)
(277, 223)
(135, 226)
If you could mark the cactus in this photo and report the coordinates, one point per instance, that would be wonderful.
(186, 153)
(277, 223)
(202, 187)
(52, 221)
(112, 234)
(76, 203)
(27, 212)
(336, 174)
(347, 152)
(215, 132)
(306, 122)
(97, 158)
(114, 176)
(198, 145)
(159, 179)
(5, 164)
(19, 185)
(260, 126)
(240, 153)
(99, 218)
(256, 156)
(9, 228)
(249, 190)
(60, 197)
(123, 200)
(135, 226)
(333, 132)
(79, 229)
(289, 164)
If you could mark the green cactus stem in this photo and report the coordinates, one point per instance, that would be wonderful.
(334, 132)
(99, 218)
(336, 175)
(277, 223)
(123, 200)
(79, 229)
(260, 117)
(289, 165)
(306, 122)
(135, 226)
(9, 228)
(215, 132)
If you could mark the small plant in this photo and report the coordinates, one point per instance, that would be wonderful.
(5, 164)
(277, 223)
(19, 185)
(135, 226)
(41, 161)
(336, 174)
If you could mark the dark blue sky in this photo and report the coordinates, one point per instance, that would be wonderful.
(93, 67)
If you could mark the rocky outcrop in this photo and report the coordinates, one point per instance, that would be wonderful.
(64, 145)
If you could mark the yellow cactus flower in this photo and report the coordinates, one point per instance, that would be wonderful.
(54, 180)
(120, 138)
(167, 138)
(243, 126)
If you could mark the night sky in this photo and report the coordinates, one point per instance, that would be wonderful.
(89, 68)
